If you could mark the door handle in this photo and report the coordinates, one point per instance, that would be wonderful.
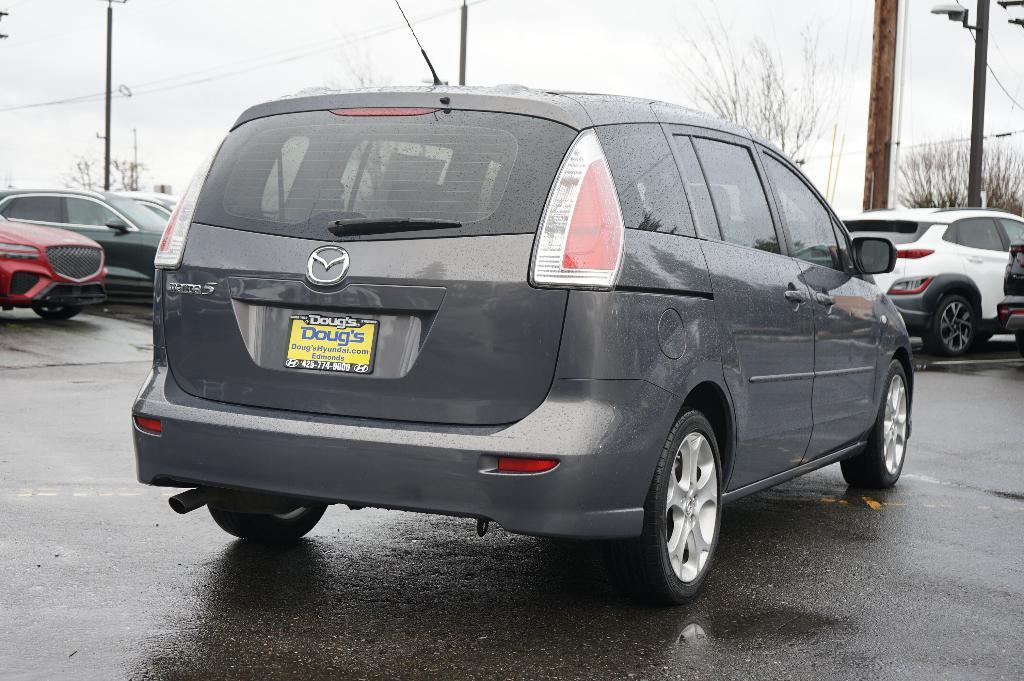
(824, 299)
(795, 296)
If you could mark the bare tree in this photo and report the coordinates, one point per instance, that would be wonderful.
(748, 83)
(935, 175)
(85, 173)
(358, 69)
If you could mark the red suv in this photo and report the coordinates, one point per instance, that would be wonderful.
(53, 271)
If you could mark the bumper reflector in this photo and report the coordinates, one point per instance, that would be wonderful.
(511, 464)
(146, 424)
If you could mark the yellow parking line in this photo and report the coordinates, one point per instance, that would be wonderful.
(872, 504)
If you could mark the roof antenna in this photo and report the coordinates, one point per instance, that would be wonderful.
(437, 81)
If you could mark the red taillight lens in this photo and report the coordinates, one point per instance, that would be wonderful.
(514, 464)
(581, 232)
(913, 253)
(149, 425)
(594, 232)
(386, 111)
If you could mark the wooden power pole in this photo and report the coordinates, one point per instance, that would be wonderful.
(883, 73)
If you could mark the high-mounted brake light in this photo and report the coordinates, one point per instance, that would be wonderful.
(388, 111)
(172, 243)
(581, 230)
(913, 253)
(515, 464)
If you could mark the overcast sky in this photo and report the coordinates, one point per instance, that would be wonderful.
(194, 65)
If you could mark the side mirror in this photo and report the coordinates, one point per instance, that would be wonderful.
(874, 255)
(118, 226)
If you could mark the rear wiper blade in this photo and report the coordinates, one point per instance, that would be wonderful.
(350, 226)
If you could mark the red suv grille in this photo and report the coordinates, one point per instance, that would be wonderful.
(75, 262)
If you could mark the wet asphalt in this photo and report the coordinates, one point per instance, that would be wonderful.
(99, 579)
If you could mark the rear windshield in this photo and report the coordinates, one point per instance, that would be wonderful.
(295, 174)
(898, 231)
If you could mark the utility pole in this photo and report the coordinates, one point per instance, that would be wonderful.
(106, 126)
(134, 178)
(880, 105)
(462, 44)
(978, 106)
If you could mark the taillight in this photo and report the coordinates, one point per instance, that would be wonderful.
(906, 287)
(172, 243)
(581, 231)
(913, 253)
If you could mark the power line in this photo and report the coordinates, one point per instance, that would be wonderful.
(300, 53)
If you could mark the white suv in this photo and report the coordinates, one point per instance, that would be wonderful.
(949, 270)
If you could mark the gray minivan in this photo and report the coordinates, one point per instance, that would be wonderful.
(574, 315)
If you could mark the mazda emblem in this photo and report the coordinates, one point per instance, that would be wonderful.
(327, 265)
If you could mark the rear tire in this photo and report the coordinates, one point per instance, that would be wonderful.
(266, 528)
(668, 562)
(953, 329)
(880, 464)
(57, 311)
(1019, 337)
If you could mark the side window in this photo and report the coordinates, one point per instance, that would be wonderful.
(979, 233)
(86, 212)
(40, 208)
(696, 188)
(737, 194)
(1014, 230)
(646, 179)
(808, 222)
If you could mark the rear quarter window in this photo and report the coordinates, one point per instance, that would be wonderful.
(649, 187)
(294, 174)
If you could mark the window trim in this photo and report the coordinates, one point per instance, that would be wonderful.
(691, 133)
(31, 195)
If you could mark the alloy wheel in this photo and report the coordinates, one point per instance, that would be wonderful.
(692, 508)
(894, 425)
(955, 326)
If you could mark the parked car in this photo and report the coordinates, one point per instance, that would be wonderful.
(128, 232)
(160, 204)
(949, 270)
(574, 315)
(54, 272)
(1011, 310)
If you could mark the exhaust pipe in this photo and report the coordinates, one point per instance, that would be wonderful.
(188, 501)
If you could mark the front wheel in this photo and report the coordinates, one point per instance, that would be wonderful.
(269, 528)
(57, 311)
(667, 564)
(881, 462)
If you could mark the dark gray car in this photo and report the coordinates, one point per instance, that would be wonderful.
(574, 315)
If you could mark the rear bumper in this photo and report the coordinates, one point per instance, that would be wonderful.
(1011, 313)
(916, 312)
(607, 435)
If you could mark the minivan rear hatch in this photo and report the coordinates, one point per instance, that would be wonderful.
(430, 216)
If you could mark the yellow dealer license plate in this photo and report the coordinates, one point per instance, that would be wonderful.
(327, 343)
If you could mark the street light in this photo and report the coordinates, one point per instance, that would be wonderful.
(958, 13)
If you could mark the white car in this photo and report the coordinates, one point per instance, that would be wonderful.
(949, 270)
